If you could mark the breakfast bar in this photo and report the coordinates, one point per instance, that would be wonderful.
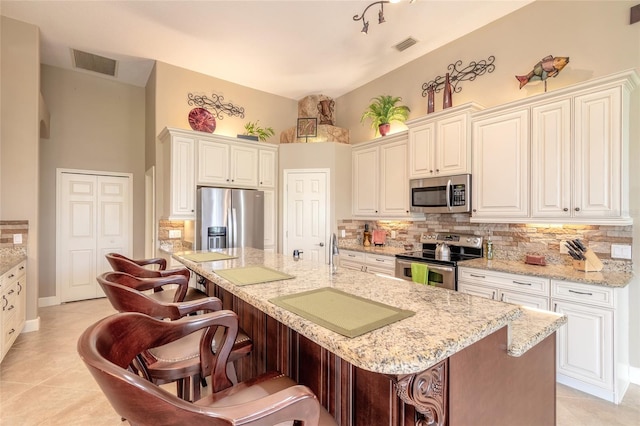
(444, 358)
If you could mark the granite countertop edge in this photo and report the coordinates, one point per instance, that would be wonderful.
(399, 357)
(10, 260)
(555, 272)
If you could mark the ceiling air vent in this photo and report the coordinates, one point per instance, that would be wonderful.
(95, 63)
(405, 44)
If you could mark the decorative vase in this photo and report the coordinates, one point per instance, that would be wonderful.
(430, 100)
(446, 97)
(384, 129)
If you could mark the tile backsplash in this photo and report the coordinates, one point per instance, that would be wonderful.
(9, 228)
(510, 241)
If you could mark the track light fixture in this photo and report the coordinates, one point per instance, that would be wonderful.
(365, 23)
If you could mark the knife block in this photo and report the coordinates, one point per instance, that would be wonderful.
(592, 264)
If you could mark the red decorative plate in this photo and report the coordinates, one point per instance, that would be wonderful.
(201, 120)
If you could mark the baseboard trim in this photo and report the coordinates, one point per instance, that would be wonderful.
(634, 375)
(31, 325)
(48, 301)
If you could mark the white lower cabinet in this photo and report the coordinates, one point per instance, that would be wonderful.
(592, 352)
(522, 290)
(593, 348)
(368, 262)
(12, 303)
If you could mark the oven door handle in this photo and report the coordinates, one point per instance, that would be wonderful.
(439, 268)
(448, 194)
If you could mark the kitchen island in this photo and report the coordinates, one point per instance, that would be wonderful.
(459, 360)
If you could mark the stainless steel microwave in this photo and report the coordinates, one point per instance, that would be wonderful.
(446, 194)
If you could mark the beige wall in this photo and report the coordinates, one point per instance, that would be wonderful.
(19, 106)
(596, 35)
(96, 124)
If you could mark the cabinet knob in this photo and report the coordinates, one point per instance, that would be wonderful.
(577, 209)
(430, 171)
(565, 209)
(227, 180)
(474, 210)
(437, 170)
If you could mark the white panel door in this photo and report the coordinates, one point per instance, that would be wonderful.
(306, 217)
(95, 217)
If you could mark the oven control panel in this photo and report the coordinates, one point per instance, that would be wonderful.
(451, 239)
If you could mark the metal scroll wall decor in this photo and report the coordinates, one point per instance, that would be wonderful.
(216, 105)
(452, 79)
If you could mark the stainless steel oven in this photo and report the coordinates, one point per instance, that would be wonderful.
(443, 270)
(439, 275)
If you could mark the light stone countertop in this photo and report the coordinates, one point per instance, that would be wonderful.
(9, 259)
(556, 272)
(445, 321)
(384, 250)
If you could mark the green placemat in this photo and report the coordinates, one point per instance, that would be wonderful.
(341, 312)
(207, 257)
(252, 275)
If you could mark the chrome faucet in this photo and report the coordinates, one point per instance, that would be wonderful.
(333, 252)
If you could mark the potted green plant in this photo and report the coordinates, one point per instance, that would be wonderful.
(254, 132)
(383, 110)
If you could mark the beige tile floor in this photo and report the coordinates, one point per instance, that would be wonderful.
(43, 381)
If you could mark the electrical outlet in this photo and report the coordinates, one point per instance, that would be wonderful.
(620, 251)
(343, 233)
(175, 233)
(563, 247)
(17, 238)
(393, 234)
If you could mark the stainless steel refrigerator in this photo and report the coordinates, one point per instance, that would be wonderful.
(229, 218)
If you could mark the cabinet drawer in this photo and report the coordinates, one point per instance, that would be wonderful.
(380, 261)
(522, 283)
(583, 293)
(354, 256)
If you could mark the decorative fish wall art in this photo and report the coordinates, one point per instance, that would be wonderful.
(547, 67)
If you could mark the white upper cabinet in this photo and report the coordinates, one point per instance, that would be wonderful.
(225, 164)
(267, 168)
(578, 158)
(179, 188)
(500, 179)
(379, 182)
(439, 144)
(195, 158)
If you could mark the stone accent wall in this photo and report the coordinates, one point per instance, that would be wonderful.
(511, 241)
(10, 227)
(172, 244)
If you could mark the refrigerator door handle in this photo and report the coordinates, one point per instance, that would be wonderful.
(234, 227)
(230, 228)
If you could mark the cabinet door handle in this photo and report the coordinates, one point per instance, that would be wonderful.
(11, 276)
(22, 268)
(379, 260)
(477, 276)
(6, 302)
(351, 255)
(13, 330)
(584, 293)
(493, 295)
(521, 283)
(555, 307)
(19, 288)
(10, 307)
(502, 297)
(12, 291)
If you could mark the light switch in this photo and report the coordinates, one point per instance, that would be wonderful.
(343, 233)
(17, 238)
